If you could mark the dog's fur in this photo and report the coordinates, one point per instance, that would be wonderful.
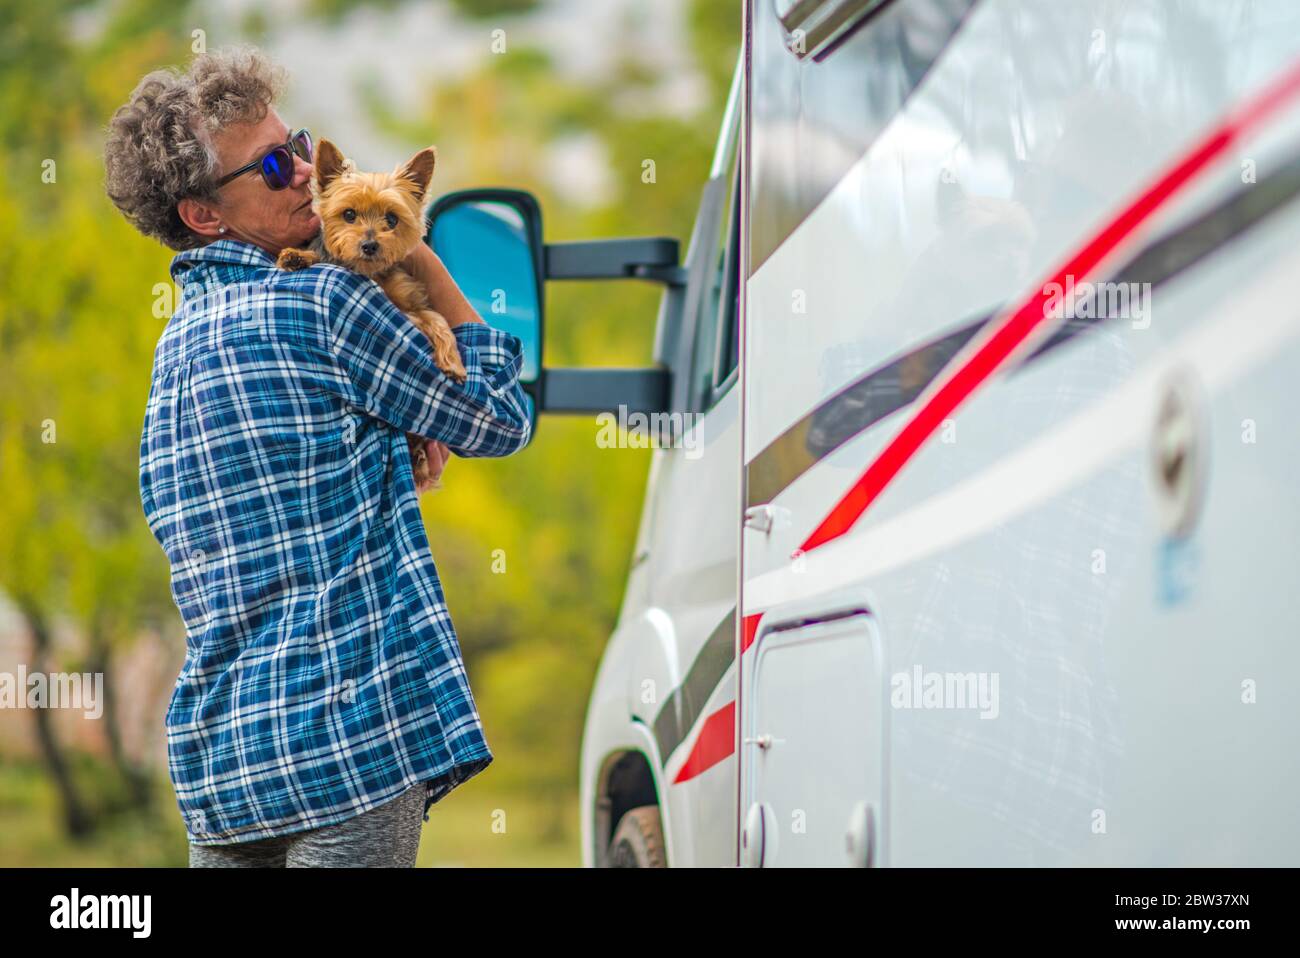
(370, 222)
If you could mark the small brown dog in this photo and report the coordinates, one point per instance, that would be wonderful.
(370, 222)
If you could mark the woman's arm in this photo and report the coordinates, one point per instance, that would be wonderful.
(444, 295)
(381, 363)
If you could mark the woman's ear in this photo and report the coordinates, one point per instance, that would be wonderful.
(418, 171)
(201, 218)
(329, 163)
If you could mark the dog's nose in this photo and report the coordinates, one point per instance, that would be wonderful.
(369, 248)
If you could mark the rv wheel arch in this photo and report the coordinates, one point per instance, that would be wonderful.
(627, 812)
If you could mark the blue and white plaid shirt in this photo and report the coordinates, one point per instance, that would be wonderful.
(322, 673)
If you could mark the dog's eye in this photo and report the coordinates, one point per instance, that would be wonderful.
(391, 217)
(349, 216)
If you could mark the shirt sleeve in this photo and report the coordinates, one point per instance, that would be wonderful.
(389, 371)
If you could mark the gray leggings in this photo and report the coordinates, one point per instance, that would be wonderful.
(387, 836)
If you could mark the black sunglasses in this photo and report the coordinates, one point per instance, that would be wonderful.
(276, 165)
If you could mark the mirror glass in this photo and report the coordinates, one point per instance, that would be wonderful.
(485, 246)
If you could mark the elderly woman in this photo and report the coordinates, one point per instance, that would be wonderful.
(323, 705)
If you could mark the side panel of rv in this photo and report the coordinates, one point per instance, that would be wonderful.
(1034, 610)
(660, 727)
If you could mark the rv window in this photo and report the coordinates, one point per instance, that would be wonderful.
(713, 356)
(727, 349)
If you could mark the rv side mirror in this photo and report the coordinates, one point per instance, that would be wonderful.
(490, 240)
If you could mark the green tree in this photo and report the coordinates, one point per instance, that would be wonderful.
(76, 343)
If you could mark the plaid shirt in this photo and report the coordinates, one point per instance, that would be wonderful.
(322, 674)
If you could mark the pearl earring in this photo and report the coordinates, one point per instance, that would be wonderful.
(221, 229)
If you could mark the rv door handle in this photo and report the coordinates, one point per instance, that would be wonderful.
(765, 517)
(759, 518)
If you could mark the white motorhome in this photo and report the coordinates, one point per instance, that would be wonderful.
(983, 547)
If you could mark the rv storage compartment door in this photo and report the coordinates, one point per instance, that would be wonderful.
(813, 740)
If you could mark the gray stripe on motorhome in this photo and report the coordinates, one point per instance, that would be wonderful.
(688, 700)
(885, 390)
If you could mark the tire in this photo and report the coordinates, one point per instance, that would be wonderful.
(638, 840)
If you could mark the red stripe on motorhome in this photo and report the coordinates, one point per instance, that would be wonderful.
(716, 741)
(992, 349)
(717, 738)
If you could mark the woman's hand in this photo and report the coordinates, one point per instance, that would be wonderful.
(438, 454)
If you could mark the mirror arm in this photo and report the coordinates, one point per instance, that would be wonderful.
(585, 391)
(668, 275)
(652, 258)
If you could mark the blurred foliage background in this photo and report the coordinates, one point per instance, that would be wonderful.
(85, 584)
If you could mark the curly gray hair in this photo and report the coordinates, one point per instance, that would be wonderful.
(159, 145)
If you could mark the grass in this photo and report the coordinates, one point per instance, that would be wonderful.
(471, 827)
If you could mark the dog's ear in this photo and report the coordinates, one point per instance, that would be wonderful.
(329, 163)
(418, 172)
